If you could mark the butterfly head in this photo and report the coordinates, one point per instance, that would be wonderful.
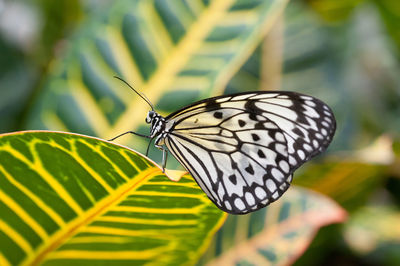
(150, 116)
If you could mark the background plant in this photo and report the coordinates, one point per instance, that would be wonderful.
(344, 52)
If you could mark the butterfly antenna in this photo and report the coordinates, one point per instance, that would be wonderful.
(137, 92)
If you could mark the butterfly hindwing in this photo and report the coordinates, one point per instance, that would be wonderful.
(242, 149)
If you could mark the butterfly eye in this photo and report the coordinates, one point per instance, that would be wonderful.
(149, 117)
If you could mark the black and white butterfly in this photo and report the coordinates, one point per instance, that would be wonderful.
(242, 149)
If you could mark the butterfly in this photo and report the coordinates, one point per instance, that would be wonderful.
(242, 149)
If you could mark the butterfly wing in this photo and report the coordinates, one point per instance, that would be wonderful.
(242, 149)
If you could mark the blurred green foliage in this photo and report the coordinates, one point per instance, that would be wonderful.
(345, 52)
(59, 20)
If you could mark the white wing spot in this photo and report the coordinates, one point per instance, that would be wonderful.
(239, 204)
(242, 97)
(301, 154)
(225, 99)
(327, 113)
(260, 193)
(318, 135)
(292, 160)
(310, 103)
(270, 185)
(283, 186)
(265, 202)
(284, 166)
(277, 174)
(275, 195)
(228, 205)
(328, 119)
(325, 124)
(249, 198)
(324, 132)
(307, 147)
(315, 143)
(279, 137)
(306, 97)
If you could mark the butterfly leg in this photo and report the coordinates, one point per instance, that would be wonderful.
(130, 132)
(164, 156)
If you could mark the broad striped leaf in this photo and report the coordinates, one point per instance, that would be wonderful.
(276, 235)
(173, 51)
(72, 199)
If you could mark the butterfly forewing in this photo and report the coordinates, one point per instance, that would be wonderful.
(242, 149)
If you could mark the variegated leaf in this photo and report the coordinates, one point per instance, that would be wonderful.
(67, 199)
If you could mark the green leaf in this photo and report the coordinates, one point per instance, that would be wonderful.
(372, 227)
(349, 183)
(277, 234)
(68, 198)
(175, 52)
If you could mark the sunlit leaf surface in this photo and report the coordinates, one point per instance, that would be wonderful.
(72, 199)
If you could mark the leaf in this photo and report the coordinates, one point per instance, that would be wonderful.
(372, 227)
(175, 52)
(350, 183)
(277, 234)
(68, 198)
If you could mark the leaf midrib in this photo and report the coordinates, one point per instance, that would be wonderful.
(101, 207)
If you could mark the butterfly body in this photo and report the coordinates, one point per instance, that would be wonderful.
(242, 149)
